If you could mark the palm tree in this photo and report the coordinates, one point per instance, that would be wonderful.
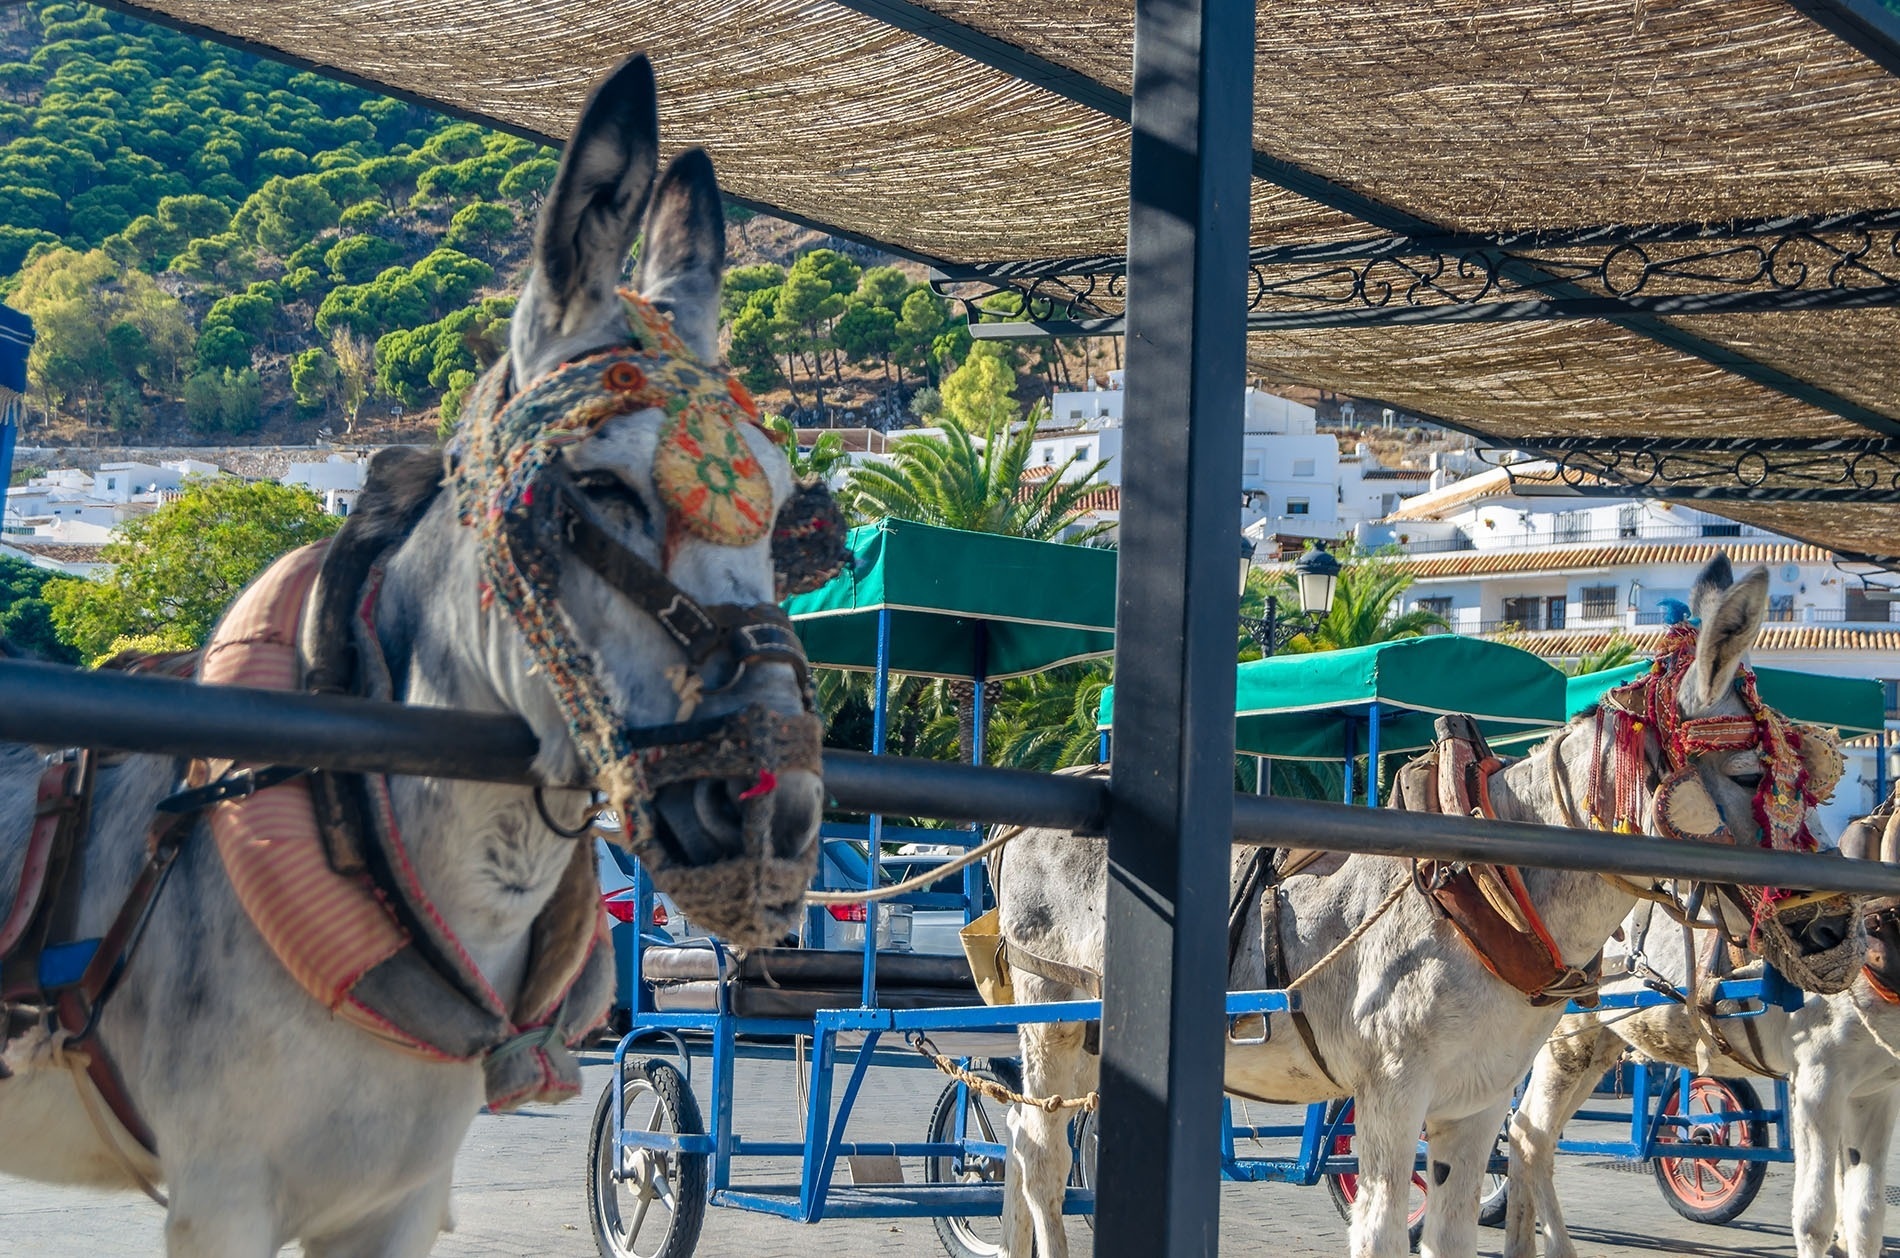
(979, 482)
(1046, 721)
(1365, 608)
(817, 463)
(1618, 651)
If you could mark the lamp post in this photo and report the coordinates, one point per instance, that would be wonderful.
(1315, 576)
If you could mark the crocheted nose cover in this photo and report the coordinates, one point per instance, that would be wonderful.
(708, 479)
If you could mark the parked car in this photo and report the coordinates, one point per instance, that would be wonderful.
(667, 926)
(933, 930)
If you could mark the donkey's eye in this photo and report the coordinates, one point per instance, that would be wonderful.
(1750, 780)
(604, 487)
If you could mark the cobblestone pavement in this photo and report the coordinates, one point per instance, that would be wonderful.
(520, 1193)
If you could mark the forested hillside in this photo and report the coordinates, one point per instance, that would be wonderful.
(215, 244)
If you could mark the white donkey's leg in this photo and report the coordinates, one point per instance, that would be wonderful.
(1818, 1105)
(220, 1210)
(407, 1229)
(1863, 1201)
(1054, 1064)
(1562, 1079)
(1460, 1151)
(1386, 1124)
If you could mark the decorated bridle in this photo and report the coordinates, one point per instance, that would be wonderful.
(530, 513)
(1644, 725)
(1654, 753)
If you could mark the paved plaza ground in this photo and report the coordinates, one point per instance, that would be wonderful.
(520, 1192)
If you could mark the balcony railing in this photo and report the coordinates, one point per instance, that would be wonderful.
(1617, 535)
(1647, 620)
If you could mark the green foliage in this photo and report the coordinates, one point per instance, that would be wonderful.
(885, 287)
(479, 226)
(1615, 653)
(530, 179)
(1365, 600)
(358, 259)
(821, 461)
(454, 398)
(176, 569)
(975, 480)
(97, 324)
(313, 380)
(981, 394)
(743, 281)
(229, 401)
(285, 213)
(364, 216)
(403, 298)
(26, 618)
(419, 364)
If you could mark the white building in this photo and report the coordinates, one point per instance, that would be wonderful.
(338, 480)
(132, 482)
(1514, 554)
(1294, 479)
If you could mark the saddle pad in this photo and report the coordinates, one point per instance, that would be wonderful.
(328, 931)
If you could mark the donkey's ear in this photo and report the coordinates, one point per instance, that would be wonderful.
(1709, 586)
(1729, 626)
(593, 210)
(683, 258)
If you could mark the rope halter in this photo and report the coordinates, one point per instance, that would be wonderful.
(514, 488)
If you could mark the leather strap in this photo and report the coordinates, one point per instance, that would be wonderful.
(1880, 989)
(61, 811)
(759, 633)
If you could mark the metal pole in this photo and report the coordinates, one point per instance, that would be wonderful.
(1172, 775)
(874, 844)
(1273, 628)
(1372, 758)
(52, 705)
(973, 874)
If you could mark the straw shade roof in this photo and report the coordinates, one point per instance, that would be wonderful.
(962, 131)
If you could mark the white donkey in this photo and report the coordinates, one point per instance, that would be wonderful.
(274, 1121)
(1408, 1021)
(1838, 1053)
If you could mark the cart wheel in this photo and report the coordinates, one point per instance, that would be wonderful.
(1085, 1140)
(1494, 1198)
(656, 1210)
(1344, 1187)
(983, 1119)
(1704, 1189)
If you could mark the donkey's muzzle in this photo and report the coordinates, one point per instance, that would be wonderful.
(735, 813)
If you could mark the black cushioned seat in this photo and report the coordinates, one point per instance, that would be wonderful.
(797, 982)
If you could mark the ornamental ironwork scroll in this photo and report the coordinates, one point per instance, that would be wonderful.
(1791, 469)
(1841, 261)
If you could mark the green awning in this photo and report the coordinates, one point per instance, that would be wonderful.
(1299, 707)
(1853, 705)
(1032, 605)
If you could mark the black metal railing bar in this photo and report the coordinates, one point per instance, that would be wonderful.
(52, 705)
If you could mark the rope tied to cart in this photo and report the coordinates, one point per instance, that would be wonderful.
(994, 1090)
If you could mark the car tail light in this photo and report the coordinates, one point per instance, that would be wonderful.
(846, 912)
(659, 914)
(620, 908)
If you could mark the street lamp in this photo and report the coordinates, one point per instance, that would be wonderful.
(1315, 577)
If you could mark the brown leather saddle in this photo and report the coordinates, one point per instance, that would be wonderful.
(1488, 905)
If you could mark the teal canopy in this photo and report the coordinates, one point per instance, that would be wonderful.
(952, 594)
(1852, 705)
(1299, 707)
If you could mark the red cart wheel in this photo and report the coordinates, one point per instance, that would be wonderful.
(1709, 1189)
(1344, 1187)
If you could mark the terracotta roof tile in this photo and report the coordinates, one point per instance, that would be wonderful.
(61, 552)
(1795, 637)
(1486, 563)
